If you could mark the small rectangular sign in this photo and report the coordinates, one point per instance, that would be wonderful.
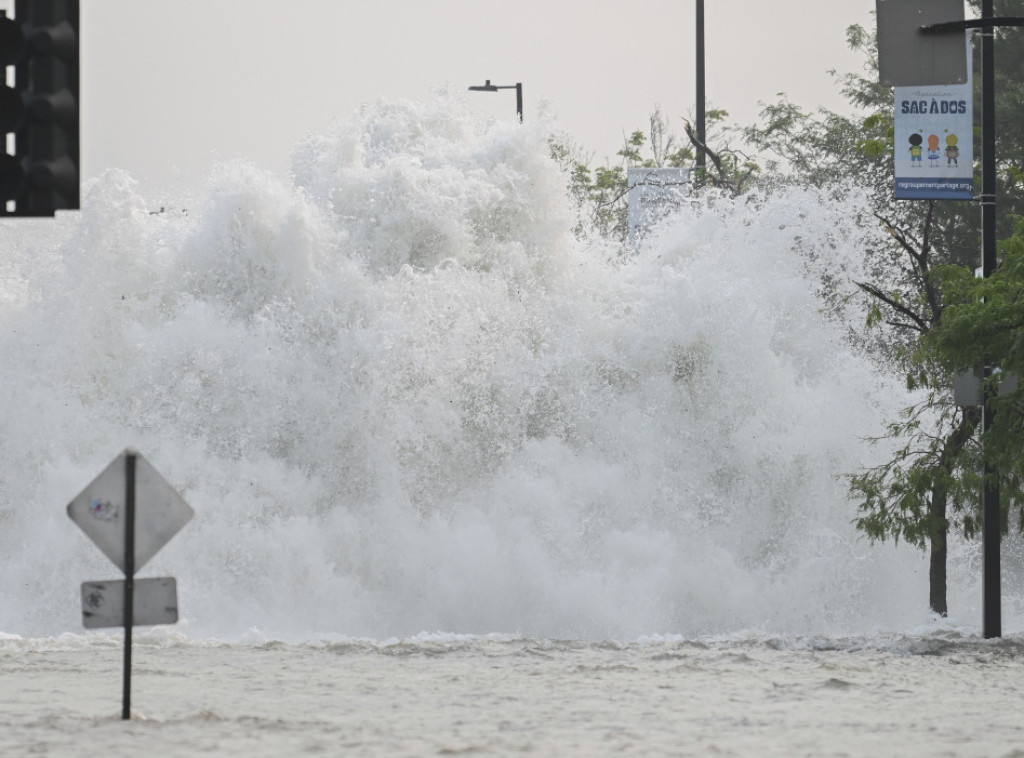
(908, 57)
(966, 389)
(933, 137)
(653, 193)
(967, 386)
(154, 601)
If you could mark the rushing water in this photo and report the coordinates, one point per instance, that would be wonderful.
(402, 397)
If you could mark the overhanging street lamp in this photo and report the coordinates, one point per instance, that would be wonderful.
(518, 87)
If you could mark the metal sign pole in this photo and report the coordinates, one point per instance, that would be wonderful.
(701, 95)
(98, 511)
(129, 581)
(991, 594)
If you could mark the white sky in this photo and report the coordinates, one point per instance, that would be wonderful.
(171, 86)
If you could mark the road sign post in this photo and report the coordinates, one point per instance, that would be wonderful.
(107, 512)
(129, 582)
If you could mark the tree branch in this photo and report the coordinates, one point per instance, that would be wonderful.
(921, 325)
(734, 185)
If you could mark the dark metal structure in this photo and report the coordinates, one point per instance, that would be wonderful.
(40, 108)
(701, 97)
(518, 87)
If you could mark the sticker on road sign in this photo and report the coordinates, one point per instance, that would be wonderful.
(154, 601)
(99, 510)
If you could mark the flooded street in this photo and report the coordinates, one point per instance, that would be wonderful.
(503, 696)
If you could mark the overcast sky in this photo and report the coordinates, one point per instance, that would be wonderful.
(171, 86)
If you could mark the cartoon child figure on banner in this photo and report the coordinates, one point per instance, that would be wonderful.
(915, 150)
(952, 151)
(933, 150)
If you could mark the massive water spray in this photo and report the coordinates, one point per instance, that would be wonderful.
(401, 396)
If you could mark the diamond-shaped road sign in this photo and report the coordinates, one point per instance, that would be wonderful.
(160, 512)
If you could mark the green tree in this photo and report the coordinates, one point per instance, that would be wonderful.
(933, 482)
(984, 327)
(600, 193)
(1009, 88)
(930, 484)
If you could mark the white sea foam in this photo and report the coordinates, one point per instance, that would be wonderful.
(402, 397)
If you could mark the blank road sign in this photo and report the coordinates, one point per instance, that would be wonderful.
(907, 57)
(154, 601)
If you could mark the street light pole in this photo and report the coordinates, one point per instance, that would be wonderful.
(992, 610)
(518, 87)
(701, 115)
(992, 615)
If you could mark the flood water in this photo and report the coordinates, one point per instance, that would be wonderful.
(932, 695)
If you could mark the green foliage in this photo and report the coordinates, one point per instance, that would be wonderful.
(922, 290)
(898, 498)
(818, 147)
(983, 325)
(600, 192)
(1009, 87)
(984, 318)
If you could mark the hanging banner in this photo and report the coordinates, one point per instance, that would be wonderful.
(933, 130)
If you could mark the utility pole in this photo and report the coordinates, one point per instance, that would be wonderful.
(701, 114)
(991, 593)
(991, 511)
